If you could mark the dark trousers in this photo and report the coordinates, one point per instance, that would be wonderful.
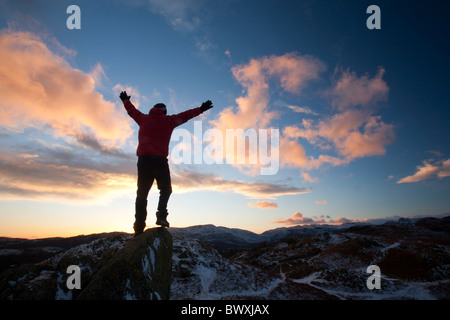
(151, 168)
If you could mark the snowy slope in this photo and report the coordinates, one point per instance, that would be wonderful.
(414, 257)
(200, 272)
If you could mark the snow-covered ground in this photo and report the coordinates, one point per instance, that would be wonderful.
(200, 272)
(329, 265)
(311, 263)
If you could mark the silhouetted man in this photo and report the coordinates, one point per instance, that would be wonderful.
(155, 129)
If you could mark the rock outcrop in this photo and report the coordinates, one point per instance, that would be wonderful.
(116, 267)
(141, 270)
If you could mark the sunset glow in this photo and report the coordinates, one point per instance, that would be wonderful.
(352, 122)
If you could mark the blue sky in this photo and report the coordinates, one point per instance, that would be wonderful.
(362, 114)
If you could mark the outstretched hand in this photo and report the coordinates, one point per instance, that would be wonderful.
(123, 96)
(206, 105)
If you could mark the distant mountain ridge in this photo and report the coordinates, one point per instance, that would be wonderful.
(223, 238)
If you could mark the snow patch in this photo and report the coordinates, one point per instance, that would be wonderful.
(128, 295)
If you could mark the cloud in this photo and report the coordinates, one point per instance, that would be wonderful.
(299, 219)
(98, 74)
(351, 90)
(353, 132)
(60, 176)
(263, 205)
(59, 134)
(188, 181)
(44, 171)
(291, 71)
(203, 44)
(292, 153)
(180, 14)
(89, 141)
(305, 110)
(42, 92)
(342, 220)
(321, 202)
(39, 88)
(306, 177)
(133, 92)
(440, 169)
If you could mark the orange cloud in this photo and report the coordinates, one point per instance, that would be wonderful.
(440, 169)
(30, 176)
(291, 71)
(307, 177)
(42, 93)
(352, 132)
(298, 218)
(351, 90)
(263, 205)
(188, 181)
(39, 88)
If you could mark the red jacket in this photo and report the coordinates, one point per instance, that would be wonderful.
(156, 128)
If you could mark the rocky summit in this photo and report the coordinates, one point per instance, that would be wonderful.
(115, 267)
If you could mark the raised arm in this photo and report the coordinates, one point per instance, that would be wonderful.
(131, 109)
(183, 117)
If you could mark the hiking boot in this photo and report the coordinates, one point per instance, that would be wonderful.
(162, 222)
(161, 219)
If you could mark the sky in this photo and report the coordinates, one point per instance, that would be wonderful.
(342, 122)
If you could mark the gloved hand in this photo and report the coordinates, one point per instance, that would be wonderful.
(123, 96)
(206, 105)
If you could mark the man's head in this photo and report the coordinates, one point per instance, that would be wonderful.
(161, 106)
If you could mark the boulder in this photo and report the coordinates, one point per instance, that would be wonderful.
(141, 270)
